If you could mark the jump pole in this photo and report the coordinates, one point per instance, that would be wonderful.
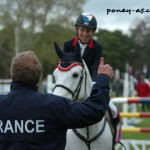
(135, 115)
(131, 100)
(136, 129)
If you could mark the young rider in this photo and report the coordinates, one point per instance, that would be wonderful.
(91, 50)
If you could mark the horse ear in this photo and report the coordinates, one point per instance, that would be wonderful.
(59, 52)
(77, 52)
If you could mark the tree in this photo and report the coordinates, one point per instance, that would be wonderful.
(44, 45)
(34, 15)
(6, 51)
(116, 47)
(141, 36)
(34, 20)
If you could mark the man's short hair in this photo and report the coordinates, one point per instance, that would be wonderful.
(26, 68)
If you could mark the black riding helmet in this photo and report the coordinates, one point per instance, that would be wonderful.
(86, 20)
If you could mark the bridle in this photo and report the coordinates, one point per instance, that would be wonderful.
(87, 140)
(76, 92)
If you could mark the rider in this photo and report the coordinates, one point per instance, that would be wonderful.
(91, 50)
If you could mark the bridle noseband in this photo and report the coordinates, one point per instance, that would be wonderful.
(64, 87)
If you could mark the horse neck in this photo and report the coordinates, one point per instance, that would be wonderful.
(86, 87)
(87, 82)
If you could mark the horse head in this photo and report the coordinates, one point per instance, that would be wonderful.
(72, 78)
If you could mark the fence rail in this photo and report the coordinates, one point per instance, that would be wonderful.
(135, 115)
(131, 100)
(136, 129)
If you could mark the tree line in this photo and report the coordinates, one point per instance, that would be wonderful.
(35, 25)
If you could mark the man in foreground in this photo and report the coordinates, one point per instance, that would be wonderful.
(30, 120)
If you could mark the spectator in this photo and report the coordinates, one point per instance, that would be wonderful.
(146, 71)
(143, 89)
(118, 87)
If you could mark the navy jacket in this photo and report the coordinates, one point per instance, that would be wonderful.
(91, 55)
(33, 121)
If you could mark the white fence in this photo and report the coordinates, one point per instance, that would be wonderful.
(5, 86)
(134, 144)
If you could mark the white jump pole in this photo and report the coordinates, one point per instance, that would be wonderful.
(125, 94)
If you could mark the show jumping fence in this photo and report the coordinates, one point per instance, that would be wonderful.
(136, 115)
(131, 100)
(135, 129)
(5, 86)
(126, 102)
(135, 144)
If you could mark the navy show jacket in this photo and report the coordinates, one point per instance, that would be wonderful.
(33, 121)
(91, 55)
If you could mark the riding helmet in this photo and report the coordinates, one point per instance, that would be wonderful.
(86, 20)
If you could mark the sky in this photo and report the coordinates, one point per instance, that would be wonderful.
(108, 18)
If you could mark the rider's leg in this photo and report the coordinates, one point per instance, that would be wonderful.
(117, 124)
(113, 109)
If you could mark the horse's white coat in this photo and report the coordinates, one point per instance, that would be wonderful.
(104, 142)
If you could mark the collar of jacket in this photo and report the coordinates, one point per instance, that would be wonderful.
(16, 85)
(90, 44)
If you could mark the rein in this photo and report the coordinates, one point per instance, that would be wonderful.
(89, 140)
(79, 85)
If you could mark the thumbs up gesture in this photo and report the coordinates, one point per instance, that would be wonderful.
(105, 68)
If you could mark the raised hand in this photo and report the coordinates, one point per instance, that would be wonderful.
(105, 68)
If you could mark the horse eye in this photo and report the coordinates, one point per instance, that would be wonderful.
(75, 75)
